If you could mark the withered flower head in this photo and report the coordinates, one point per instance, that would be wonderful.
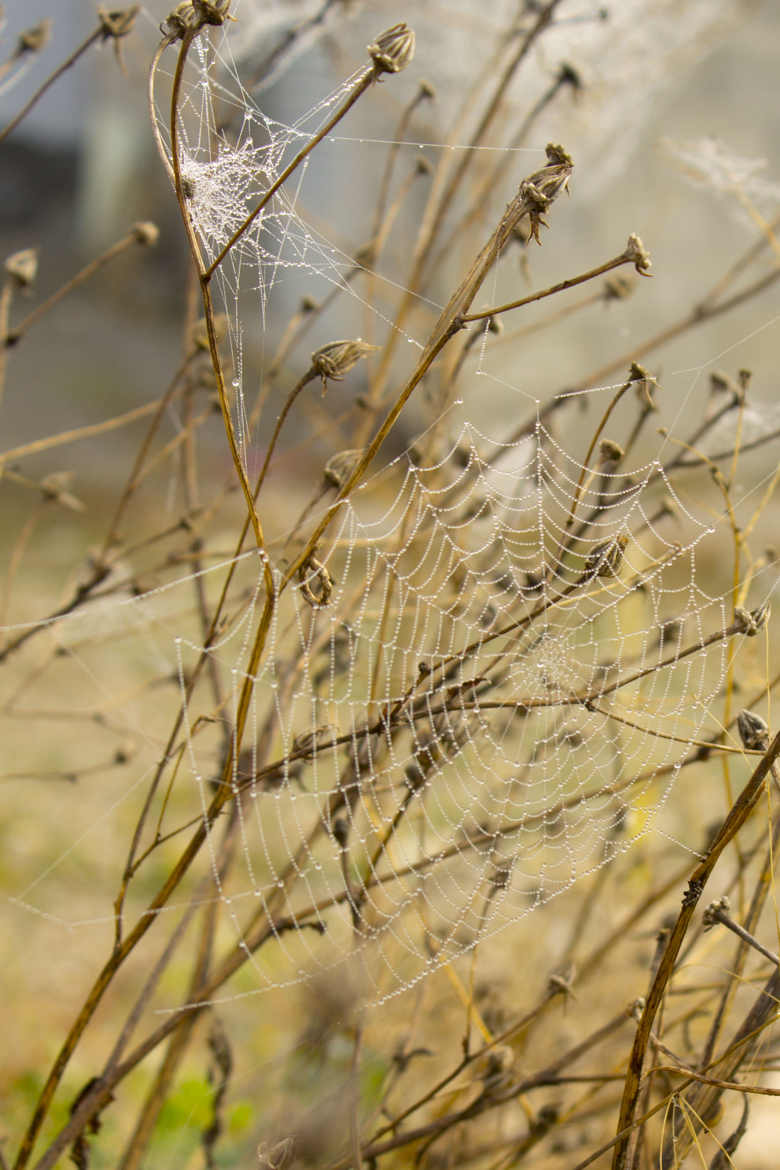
(146, 233)
(605, 559)
(393, 49)
(117, 22)
(334, 360)
(192, 15)
(610, 451)
(753, 731)
(22, 267)
(339, 467)
(540, 188)
(636, 252)
(32, 40)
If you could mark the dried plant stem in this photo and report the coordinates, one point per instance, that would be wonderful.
(310, 376)
(136, 235)
(204, 277)
(438, 202)
(562, 285)
(92, 39)
(735, 819)
(78, 433)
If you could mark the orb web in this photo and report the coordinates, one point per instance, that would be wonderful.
(463, 701)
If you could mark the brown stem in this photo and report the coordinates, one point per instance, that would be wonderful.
(735, 819)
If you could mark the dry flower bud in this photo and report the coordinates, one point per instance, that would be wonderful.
(340, 831)
(311, 742)
(753, 731)
(211, 11)
(146, 233)
(117, 22)
(569, 75)
(540, 188)
(32, 40)
(337, 358)
(192, 15)
(339, 467)
(393, 49)
(618, 287)
(610, 451)
(178, 21)
(200, 335)
(749, 622)
(313, 575)
(606, 558)
(720, 382)
(711, 915)
(22, 267)
(638, 255)
(427, 90)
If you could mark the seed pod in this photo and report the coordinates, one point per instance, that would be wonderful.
(334, 360)
(753, 731)
(393, 49)
(22, 267)
(638, 254)
(146, 233)
(339, 467)
(606, 558)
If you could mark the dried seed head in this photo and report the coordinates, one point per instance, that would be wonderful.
(309, 743)
(393, 49)
(22, 267)
(117, 22)
(32, 40)
(146, 233)
(749, 622)
(606, 558)
(646, 384)
(339, 467)
(334, 360)
(316, 582)
(713, 912)
(540, 188)
(636, 252)
(501, 876)
(191, 16)
(569, 75)
(200, 335)
(214, 12)
(340, 830)
(720, 382)
(753, 731)
(618, 287)
(178, 21)
(610, 451)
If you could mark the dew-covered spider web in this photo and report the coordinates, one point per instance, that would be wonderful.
(464, 699)
(481, 684)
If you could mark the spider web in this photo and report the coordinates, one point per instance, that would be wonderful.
(515, 718)
(464, 706)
